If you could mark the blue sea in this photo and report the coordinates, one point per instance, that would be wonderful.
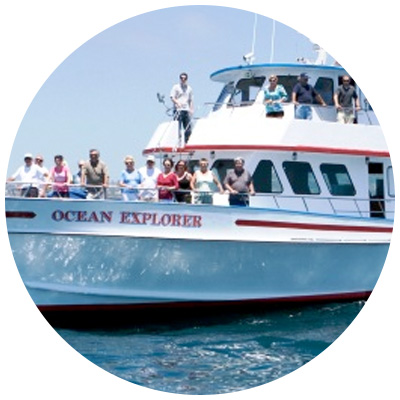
(218, 354)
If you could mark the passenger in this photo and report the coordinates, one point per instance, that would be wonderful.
(343, 99)
(61, 176)
(39, 162)
(167, 182)
(274, 96)
(182, 98)
(130, 180)
(149, 175)
(184, 178)
(303, 94)
(29, 175)
(95, 173)
(239, 184)
(204, 183)
(77, 178)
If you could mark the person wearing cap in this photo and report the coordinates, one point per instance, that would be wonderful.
(95, 173)
(343, 99)
(29, 175)
(239, 184)
(77, 178)
(182, 99)
(149, 175)
(130, 180)
(304, 94)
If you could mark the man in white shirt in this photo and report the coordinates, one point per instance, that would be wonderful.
(29, 175)
(182, 97)
(149, 174)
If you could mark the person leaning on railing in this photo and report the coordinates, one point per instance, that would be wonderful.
(343, 99)
(274, 96)
(61, 176)
(204, 182)
(182, 195)
(29, 175)
(95, 173)
(239, 183)
(167, 181)
(303, 96)
(129, 180)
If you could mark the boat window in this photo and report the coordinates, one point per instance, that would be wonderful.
(390, 179)
(337, 180)
(222, 167)
(246, 91)
(288, 82)
(301, 177)
(324, 86)
(376, 190)
(266, 179)
(193, 165)
(225, 94)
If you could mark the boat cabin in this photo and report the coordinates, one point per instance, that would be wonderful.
(316, 165)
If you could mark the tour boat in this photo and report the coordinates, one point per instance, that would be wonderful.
(317, 229)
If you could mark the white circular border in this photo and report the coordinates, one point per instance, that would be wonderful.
(38, 35)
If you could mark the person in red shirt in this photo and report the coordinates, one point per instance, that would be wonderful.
(167, 182)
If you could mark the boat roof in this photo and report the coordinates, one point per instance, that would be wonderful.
(230, 73)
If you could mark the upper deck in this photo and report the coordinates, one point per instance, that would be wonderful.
(237, 120)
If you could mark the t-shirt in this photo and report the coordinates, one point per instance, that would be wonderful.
(346, 95)
(60, 177)
(132, 179)
(31, 174)
(238, 181)
(278, 93)
(149, 181)
(305, 94)
(95, 174)
(183, 94)
(169, 180)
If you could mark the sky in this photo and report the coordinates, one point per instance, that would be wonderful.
(104, 95)
(73, 112)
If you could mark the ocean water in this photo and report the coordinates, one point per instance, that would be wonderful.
(218, 354)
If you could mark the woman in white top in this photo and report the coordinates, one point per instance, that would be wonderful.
(204, 183)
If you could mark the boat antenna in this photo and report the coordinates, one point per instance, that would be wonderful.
(249, 57)
(161, 99)
(271, 58)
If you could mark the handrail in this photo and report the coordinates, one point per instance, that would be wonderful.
(114, 193)
(287, 105)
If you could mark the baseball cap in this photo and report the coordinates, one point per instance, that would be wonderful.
(151, 158)
(28, 155)
(304, 75)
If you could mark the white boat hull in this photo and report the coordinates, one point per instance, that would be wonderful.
(268, 255)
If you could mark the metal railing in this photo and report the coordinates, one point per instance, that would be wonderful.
(324, 113)
(335, 205)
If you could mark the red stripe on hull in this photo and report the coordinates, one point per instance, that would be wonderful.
(304, 149)
(205, 304)
(20, 214)
(317, 227)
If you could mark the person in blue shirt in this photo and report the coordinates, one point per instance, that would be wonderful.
(129, 180)
(274, 96)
